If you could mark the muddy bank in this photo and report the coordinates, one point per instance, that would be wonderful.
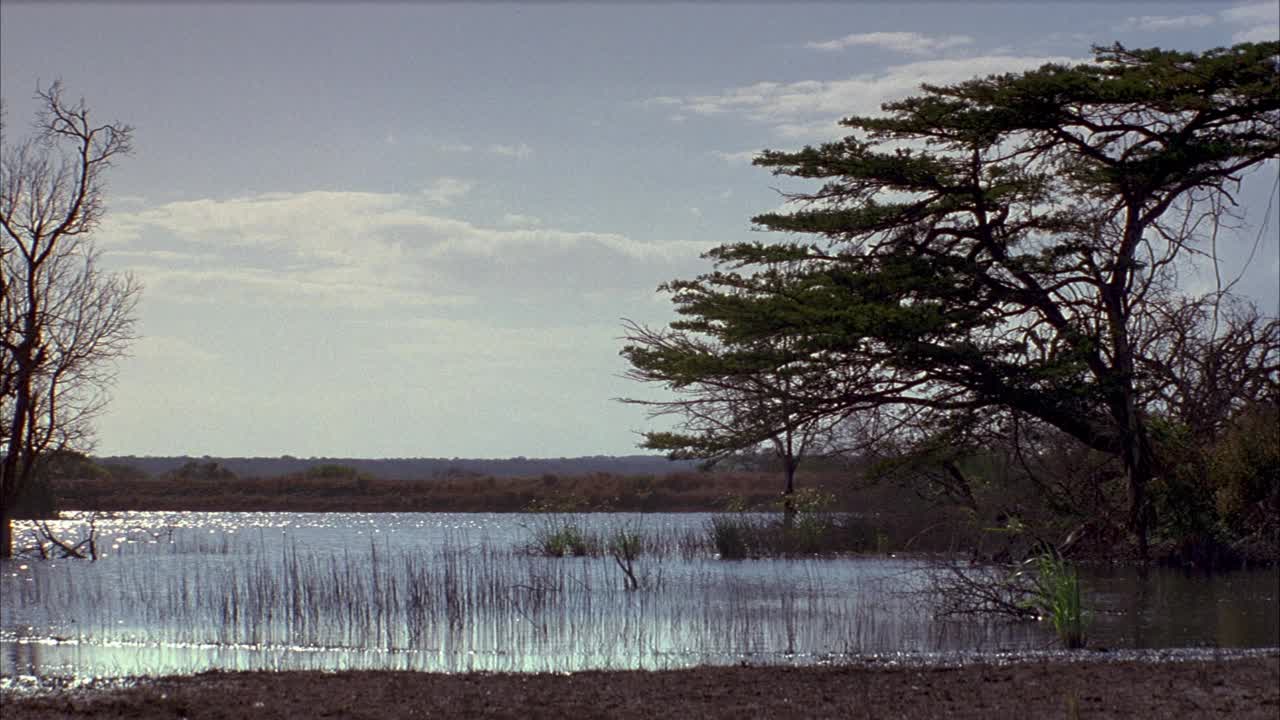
(1239, 688)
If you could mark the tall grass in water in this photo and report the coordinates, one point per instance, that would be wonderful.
(459, 605)
(1056, 596)
(558, 538)
(736, 537)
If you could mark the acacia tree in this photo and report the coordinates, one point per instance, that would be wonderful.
(729, 414)
(1000, 243)
(63, 320)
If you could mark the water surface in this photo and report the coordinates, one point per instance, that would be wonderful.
(188, 592)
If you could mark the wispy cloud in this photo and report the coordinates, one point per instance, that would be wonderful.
(1261, 33)
(809, 109)
(742, 157)
(1262, 21)
(1263, 12)
(912, 43)
(1165, 23)
(520, 151)
(518, 220)
(353, 249)
(444, 191)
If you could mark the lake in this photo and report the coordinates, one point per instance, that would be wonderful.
(189, 592)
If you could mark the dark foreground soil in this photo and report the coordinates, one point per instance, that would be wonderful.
(1242, 688)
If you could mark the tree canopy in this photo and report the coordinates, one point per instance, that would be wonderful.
(1009, 244)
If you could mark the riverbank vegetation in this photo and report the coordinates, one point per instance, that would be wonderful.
(1000, 505)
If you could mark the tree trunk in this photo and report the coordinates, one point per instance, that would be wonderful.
(6, 533)
(788, 499)
(12, 472)
(1138, 470)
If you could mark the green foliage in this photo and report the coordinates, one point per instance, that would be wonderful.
(1245, 474)
(1056, 597)
(811, 528)
(999, 266)
(1182, 495)
(339, 475)
(198, 471)
(558, 539)
(331, 471)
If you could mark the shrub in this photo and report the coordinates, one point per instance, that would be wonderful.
(1245, 473)
(625, 546)
(558, 537)
(735, 537)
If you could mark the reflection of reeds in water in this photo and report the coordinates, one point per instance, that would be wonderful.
(455, 606)
(642, 599)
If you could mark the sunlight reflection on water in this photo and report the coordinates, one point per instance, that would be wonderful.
(187, 592)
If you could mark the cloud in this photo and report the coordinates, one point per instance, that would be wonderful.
(743, 157)
(443, 191)
(519, 152)
(368, 250)
(809, 109)
(912, 43)
(1262, 33)
(1164, 23)
(518, 220)
(454, 147)
(1261, 19)
(1263, 12)
(172, 350)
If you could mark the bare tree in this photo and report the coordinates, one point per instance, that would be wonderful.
(63, 320)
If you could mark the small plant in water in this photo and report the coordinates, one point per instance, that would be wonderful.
(561, 539)
(1056, 596)
(625, 546)
(557, 533)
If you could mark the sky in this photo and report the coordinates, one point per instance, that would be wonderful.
(413, 230)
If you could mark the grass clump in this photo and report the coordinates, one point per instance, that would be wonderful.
(1056, 597)
(563, 538)
(737, 537)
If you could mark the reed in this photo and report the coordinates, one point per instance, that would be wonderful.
(460, 604)
(1056, 595)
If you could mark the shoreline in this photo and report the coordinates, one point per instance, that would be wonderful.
(1093, 686)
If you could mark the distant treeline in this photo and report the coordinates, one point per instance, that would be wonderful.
(208, 485)
(416, 468)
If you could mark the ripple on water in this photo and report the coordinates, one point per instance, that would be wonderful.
(181, 593)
